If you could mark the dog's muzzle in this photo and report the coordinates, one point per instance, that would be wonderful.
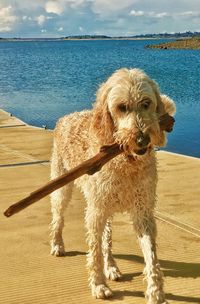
(142, 141)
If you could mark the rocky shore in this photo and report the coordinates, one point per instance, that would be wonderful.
(188, 43)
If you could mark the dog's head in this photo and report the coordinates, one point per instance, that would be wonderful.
(127, 110)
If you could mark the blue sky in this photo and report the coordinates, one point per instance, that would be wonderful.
(57, 18)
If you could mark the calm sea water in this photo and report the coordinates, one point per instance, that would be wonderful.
(42, 81)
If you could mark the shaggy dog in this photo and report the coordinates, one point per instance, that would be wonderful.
(127, 111)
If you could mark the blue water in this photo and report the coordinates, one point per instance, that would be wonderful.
(42, 81)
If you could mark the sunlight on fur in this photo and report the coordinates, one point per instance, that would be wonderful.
(127, 110)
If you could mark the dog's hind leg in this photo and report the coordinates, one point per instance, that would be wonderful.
(111, 270)
(59, 201)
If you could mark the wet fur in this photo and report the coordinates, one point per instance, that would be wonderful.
(126, 183)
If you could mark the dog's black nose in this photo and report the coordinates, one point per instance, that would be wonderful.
(142, 140)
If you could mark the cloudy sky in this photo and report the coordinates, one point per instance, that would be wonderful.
(56, 18)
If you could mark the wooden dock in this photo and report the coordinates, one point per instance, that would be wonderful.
(30, 275)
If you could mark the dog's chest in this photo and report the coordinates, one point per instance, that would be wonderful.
(120, 187)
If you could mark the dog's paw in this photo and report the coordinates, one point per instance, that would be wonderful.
(101, 291)
(157, 299)
(57, 250)
(113, 273)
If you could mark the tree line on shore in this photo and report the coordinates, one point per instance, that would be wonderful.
(187, 34)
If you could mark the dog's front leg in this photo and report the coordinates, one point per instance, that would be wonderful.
(95, 223)
(111, 270)
(146, 230)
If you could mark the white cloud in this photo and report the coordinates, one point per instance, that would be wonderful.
(136, 13)
(5, 28)
(75, 3)
(109, 17)
(7, 19)
(25, 18)
(40, 19)
(190, 14)
(105, 7)
(59, 6)
(60, 29)
(148, 14)
(161, 15)
(55, 7)
(43, 31)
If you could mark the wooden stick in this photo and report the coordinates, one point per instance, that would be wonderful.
(89, 166)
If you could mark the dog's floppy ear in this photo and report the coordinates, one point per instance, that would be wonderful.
(102, 123)
(160, 106)
(169, 105)
(164, 103)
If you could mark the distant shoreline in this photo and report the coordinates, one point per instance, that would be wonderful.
(73, 39)
(96, 38)
(148, 36)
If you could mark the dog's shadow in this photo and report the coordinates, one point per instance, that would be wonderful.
(120, 294)
(74, 253)
(170, 268)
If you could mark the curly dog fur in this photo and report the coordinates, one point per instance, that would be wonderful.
(127, 111)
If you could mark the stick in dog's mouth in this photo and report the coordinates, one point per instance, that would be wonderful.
(90, 166)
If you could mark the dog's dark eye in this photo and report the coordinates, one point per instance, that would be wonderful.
(145, 104)
(122, 108)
